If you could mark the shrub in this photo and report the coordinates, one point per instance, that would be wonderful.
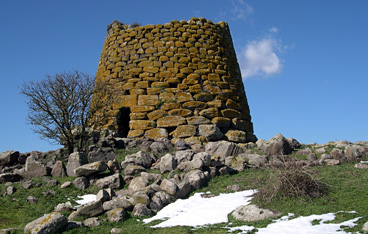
(290, 180)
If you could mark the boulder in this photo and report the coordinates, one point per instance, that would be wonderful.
(354, 152)
(64, 207)
(254, 160)
(58, 170)
(116, 215)
(118, 202)
(75, 160)
(81, 183)
(138, 183)
(32, 200)
(10, 177)
(184, 188)
(251, 213)
(140, 158)
(237, 163)
(167, 163)
(337, 154)
(278, 145)
(294, 143)
(48, 223)
(141, 197)
(113, 166)
(195, 178)
(102, 154)
(158, 148)
(8, 158)
(34, 168)
(131, 169)
(305, 151)
(141, 210)
(181, 145)
(116, 231)
(159, 200)
(92, 222)
(169, 187)
(204, 157)
(114, 182)
(89, 209)
(91, 168)
(223, 148)
(183, 156)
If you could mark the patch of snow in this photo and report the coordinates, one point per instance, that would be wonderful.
(85, 199)
(303, 224)
(197, 210)
(363, 162)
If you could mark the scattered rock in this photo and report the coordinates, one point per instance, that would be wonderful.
(58, 170)
(361, 166)
(223, 148)
(278, 145)
(167, 163)
(48, 223)
(91, 168)
(118, 202)
(64, 207)
(116, 231)
(10, 190)
(34, 168)
(101, 154)
(9, 158)
(116, 215)
(27, 184)
(75, 160)
(10, 177)
(32, 200)
(114, 182)
(140, 158)
(169, 187)
(66, 184)
(251, 213)
(92, 222)
(89, 209)
(131, 169)
(81, 182)
(141, 210)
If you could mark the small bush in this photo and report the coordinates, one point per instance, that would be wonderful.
(291, 180)
(135, 24)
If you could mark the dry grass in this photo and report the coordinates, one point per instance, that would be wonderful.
(290, 180)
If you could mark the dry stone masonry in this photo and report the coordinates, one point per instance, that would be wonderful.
(178, 80)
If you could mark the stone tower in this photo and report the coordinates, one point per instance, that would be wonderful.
(179, 80)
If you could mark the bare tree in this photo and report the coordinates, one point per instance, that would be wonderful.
(61, 107)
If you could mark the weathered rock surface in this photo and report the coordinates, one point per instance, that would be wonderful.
(75, 160)
(91, 168)
(9, 158)
(49, 223)
(250, 213)
(116, 215)
(34, 168)
(114, 182)
(58, 170)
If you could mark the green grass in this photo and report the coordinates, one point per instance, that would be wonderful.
(348, 188)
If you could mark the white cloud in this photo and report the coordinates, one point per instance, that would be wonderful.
(273, 30)
(240, 10)
(259, 58)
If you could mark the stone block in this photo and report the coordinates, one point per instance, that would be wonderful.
(142, 108)
(141, 124)
(210, 112)
(236, 136)
(181, 112)
(221, 122)
(194, 105)
(230, 113)
(183, 97)
(156, 133)
(154, 115)
(185, 131)
(148, 100)
(171, 121)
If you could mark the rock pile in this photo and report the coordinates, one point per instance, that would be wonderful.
(158, 174)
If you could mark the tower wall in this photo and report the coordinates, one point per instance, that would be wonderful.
(179, 80)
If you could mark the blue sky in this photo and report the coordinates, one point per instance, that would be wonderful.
(304, 63)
